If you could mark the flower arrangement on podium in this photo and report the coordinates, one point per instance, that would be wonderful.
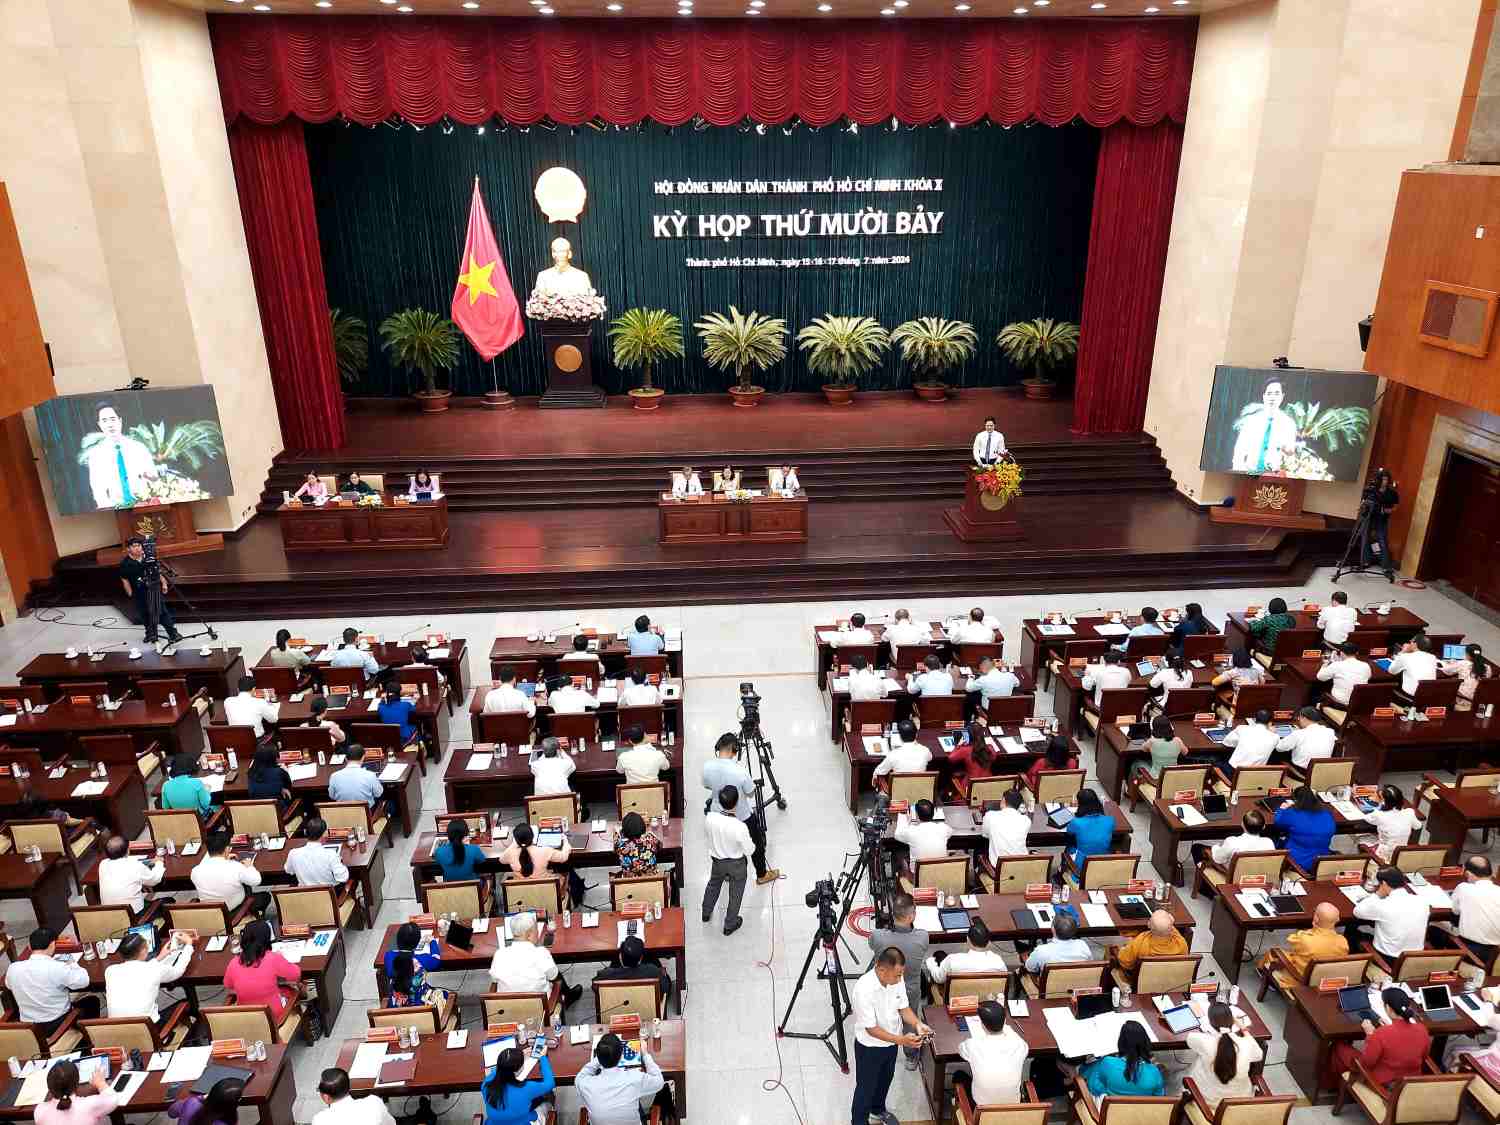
(999, 483)
(550, 304)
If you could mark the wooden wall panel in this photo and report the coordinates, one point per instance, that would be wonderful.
(27, 548)
(1432, 238)
(25, 375)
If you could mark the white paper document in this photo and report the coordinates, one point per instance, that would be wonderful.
(1099, 1035)
(478, 762)
(1435, 896)
(828, 636)
(291, 950)
(927, 919)
(90, 788)
(457, 1039)
(875, 745)
(1055, 630)
(1013, 745)
(439, 653)
(302, 771)
(492, 1051)
(1354, 893)
(394, 771)
(187, 1065)
(213, 782)
(609, 695)
(1111, 631)
(1096, 916)
(368, 1058)
(1032, 734)
(1189, 815)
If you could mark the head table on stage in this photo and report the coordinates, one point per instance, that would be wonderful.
(342, 525)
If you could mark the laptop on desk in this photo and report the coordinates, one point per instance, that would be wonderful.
(1437, 1002)
(1215, 806)
(1354, 1002)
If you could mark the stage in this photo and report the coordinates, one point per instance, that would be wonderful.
(553, 508)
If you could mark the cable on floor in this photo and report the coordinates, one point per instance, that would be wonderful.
(770, 1085)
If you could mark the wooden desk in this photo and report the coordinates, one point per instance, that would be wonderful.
(1456, 742)
(996, 912)
(824, 652)
(122, 805)
(366, 866)
(56, 730)
(590, 849)
(1115, 756)
(671, 707)
(570, 945)
(271, 1092)
(1231, 926)
(1315, 1025)
(1169, 832)
(942, 1052)
(441, 1071)
(1401, 622)
(1068, 692)
(1037, 647)
(1454, 813)
(407, 791)
(219, 671)
(1303, 688)
(508, 782)
(425, 716)
(862, 764)
(47, 885)
(395, 654)
(712, 519)
(964, 824)
(838, 698)
(614, 650)
(339, 527)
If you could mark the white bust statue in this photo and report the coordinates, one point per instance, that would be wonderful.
(564, 277)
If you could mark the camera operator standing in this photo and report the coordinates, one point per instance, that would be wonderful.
(1382, 497)
(140, 574)
(724, 768)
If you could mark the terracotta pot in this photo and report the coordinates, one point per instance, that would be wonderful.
(1039, 388)
(647, 398)
(746, 396)
(931, 392)
(838, 395)
(434, 402)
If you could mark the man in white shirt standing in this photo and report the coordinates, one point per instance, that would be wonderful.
(40, 985)
(123, 878)
(333, 1088)
(218, 878)
(906, 755)
(1252, 743)
(996, 1055)
(1312, 739)
(550, 770)
(1337, 619)
(1414, 663)
(642, 763)
(989, 444)
(524, 966)
(972, 630)
(1476, 901)
(1400, 917)
(1006, 826)
(880, 1009)
(856, 634)
(248, 710)
(976, 957)
(729, 847)
(639, 692)
(131, 985)
(1111, 675)
(924, 836)
(565, 699)
(1252, 839)
(1345, 672)
(865, 682)
(313, 864)
(506, 697)
(993, 682)
(933, 680)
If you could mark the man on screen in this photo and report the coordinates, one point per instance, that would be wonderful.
(1267, 434)
(119, 466)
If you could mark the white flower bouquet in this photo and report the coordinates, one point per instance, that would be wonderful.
(545, 304)
(168, 487)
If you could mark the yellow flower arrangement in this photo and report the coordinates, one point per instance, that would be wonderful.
(1001, 480)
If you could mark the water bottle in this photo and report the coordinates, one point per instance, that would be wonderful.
(234, 760)
(416, 1037)
(567, 918)
(15, 1066)
(101, 948)
(403, 1038)
(322, 757)
(1234, 995)
(557, 1023)
(171, 846)
(424, 689)
(171, 699)
(656, 1028)
(26, 704)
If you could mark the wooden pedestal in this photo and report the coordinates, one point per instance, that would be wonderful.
(1268, 501)
(976, 523)
(568, 346)
(172, 524)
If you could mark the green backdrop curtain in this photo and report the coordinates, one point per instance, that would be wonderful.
(392, 203)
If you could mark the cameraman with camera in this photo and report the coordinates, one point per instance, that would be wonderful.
(141, 575)
(725, 769)
(1377, 503)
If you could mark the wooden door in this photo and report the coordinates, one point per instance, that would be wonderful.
(1464, 534)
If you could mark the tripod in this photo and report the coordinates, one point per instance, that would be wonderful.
(760, 758)
(156, 597)
(1356, 555)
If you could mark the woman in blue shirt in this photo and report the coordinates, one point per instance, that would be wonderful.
(456, 858)
(394, 709)
(1309, 828)
(508, 1101)
(1129, 1071)
(184, 790)
(406, 970)
(1092, 830)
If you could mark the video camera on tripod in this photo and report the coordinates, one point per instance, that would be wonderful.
(755, 748)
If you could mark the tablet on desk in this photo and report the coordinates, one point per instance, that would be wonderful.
(1180, 1019)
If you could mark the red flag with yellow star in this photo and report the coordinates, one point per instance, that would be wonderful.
(484, 304)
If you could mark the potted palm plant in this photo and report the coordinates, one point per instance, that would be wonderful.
(643, 337)
(932, 347)
(841, 349)
(426, 343)
(351, 346)
(742, 342)
(1040, 344)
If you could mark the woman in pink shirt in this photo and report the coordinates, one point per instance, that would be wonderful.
(63, 1108)
(313, 488)
(255, 976)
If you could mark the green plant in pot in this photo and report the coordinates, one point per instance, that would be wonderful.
(841, 349)
(426, 343)
(1040, 344)
(932, 346)
(742, 343)
(643, 337)
(351, 346)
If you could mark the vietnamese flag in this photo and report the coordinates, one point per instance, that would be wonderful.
(484, 304)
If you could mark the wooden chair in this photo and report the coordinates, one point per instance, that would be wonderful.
(511, 728)
(1075, 650)
(870, 712)
(1486, 694)
(1418, 964)
(25, 1040)
(650, 889)
(1273, 865)
(1062, 978)
(262, 815)
(1265, 1108)
(226, 737)
(969, 654)
(949, 874)
(985, 790)
(565, 805)
(1154, 975)
(1032, 1111)
(54, 838)
(639, 997)
(1056, 785)
(1202, 646)
(255, 1022)
(1257, 781)
(160, 693)
(649, 798)
(425, 676)
(1483, 1091)
(535, 892)
(1329, 773)
(1116, 1109)
(525, 670)
(209, 919)
(306, 740)
(1326, 867)
(282, 680)
(516, 1007)
(1442, 692)
(1100, 871)
(658, 665)
(1009, 708)
(386, 737)
(1114, 706)
(140, 1033)
(351, 679)
(1363, 699)
(1012, 874)
(426, 1018)
(1426, 858)
(1250, 698)
(1147, 644)
(318, 907)
(468, 898)
(1431, 1098)
(1195, 777)
(648, 717)
(982, 985)
(1289, 643)
(584, 726)
(1184, 703)
(121, 749)
(843, 655)
(355, 814)
(1277, 971)
(914, 787)
(107, 923)
(932, 711)
(908, 658)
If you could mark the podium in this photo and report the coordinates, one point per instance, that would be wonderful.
(983, 518)
(172, 526)
(1269, 501)
(569, 348)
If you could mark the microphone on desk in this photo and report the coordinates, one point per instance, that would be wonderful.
(409, 632)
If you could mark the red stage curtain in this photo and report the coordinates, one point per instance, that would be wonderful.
(1134, 189)
(281, 230)
(368, 69)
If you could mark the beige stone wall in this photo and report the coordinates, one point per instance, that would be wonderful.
(119, 172)
(1303, 115)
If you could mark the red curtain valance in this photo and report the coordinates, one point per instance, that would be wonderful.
(368, 69)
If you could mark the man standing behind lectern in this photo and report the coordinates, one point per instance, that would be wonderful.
(989, 444)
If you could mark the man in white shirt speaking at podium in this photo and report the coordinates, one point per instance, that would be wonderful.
(989, 444)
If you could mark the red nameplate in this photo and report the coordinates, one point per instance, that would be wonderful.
(1380, 652)
(291, 757)
(68, 944)
(502, 1029)
(11, 704)
(81, 700)
(1366, 790)
(589, 632)
(953, 724)
(1035, 723)
(295, 929)
(1202, 988)
(564, 742)
(366, 639)
(340, 834)
(580, 681)
(1453, 872)
(400, 501)
(845, 669)
(1221, 658)
(1139, 886)
(628, 1024)
(1282, 716)
(1311, 607)
(1188, 795)
(1038, 892)
(1383, 713)
(264, 693)
(1078, 662)
(424, 921)
(900, 806)
(654, 678)
(1312, 654)
(437, 640)
(141, 847)
(1347, 878)
(1252, 881)
(240, 839)
(633, 909)
(373, 756)
(410, 691)
(380, 1035)
(296, 642)
(1332, 984)
(210, 761)
(925, 896)
(1251, 609)
(1204, 719)
(546, 822)
(869, 728)
(1446, 976)
(4, 771)
(1123, 721)
(1279, 791)
(1436, 712)
(227, 1049)
(963, 1006)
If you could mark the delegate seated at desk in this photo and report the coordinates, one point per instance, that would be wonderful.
(686, 483)
(312, 489)
(783, 479)
(350, 655)
(904, 631)
(645, 639)
(355, 483)
(506, 697)
(726, 479)
(422, 487)
(974, 630)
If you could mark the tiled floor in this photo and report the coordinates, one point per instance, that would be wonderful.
(739, 986)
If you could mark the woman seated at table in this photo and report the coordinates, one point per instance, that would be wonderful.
(260, 975)
(220, 1106)
(355, 483)
(1129, 1072)
(726, 479)
(1165, 748)
(1058, 756)
(397, 711)
(1394, 823)
(184, 790)
(1308, 826)
(1222, 1057)
(526, 858)
(417, 654)
(1092, 830)
(458, 859)
(421, 486)
(284, 656)
(318, 709)
(406, 970)
(267, 781)
(1396, 1049)
(312, 488)
(1172, 676)
(637, 846)
(1242, 670)
(1471, 669)
(508, 1100)
(970, 760)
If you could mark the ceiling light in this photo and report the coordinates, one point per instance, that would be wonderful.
(887, 11)
(1179, 3)
(404, 9)
(898, 3)
(544, 11)
(1098, 7)
(262, 8)
(389, 3)
(323, 4)
(615, 7)
(825, 7)
(1040, 3)
(1151, 11)
(471, 5)
(960, 7)
(757, 3)
(1020, 11)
